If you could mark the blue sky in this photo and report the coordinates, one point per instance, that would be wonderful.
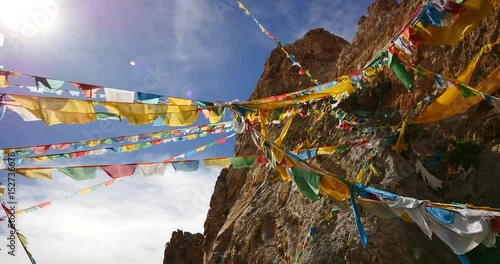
(206, 49)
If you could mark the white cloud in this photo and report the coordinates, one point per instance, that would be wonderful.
(127, 222)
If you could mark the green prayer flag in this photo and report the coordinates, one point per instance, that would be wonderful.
(211, 144)
(243, 162)
(107, 141)
(400, 71)
(31, 209)
(23, 239)
(23, 151)
(145, 145)
(466, 92)
(308, 183)
(107, 116)
(79, 174)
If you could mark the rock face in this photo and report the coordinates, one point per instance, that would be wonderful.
(255, 218)
(184, 248)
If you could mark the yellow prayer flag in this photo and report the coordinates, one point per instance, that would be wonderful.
(216, 114)
(41, 158)
(92, 143)
(156, 135)
(282, 172)
(475, 11)
(344, 87)
(333, 187)
(4, 81)
(55, 111)
(359, 178)
(250, 115)
(85, 191)
(264, 120)
(224, 163)
(400, 143)
(4, 78)
(135, 113)
(175, 115)
(191, 137)
(20, 212)
(282, 136)
(200, 149)
(130, 148)
(465, 76)
(179, 101)
(451, 102)
(44, 174)
(326, 150)
(277, 153)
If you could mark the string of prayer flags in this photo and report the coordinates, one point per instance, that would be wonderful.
(121, 148)
(335, 89)
(451, 102)
(201, 130)
(55, 111)
(86, 172)
(118, 172)
(448, 22)
(49, 203)
(114, 171)
(48, 85)
(292, 58)
(12, 226)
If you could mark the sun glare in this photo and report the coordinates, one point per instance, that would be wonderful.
(28, 17)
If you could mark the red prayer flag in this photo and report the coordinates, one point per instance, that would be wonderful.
(119, 171)
(62, 146)
(108, 183)
(222, 140)
(41, 149)
(87, 89)
(42, 205)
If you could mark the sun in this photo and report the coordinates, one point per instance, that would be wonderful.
(12, 11)
(19, 15)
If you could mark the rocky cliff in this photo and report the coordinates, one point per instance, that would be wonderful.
(184, 248)
(255, 218)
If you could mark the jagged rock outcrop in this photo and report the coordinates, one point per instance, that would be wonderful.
(255, 218)
(184, 248)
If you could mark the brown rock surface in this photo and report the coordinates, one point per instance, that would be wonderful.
(184, 248)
